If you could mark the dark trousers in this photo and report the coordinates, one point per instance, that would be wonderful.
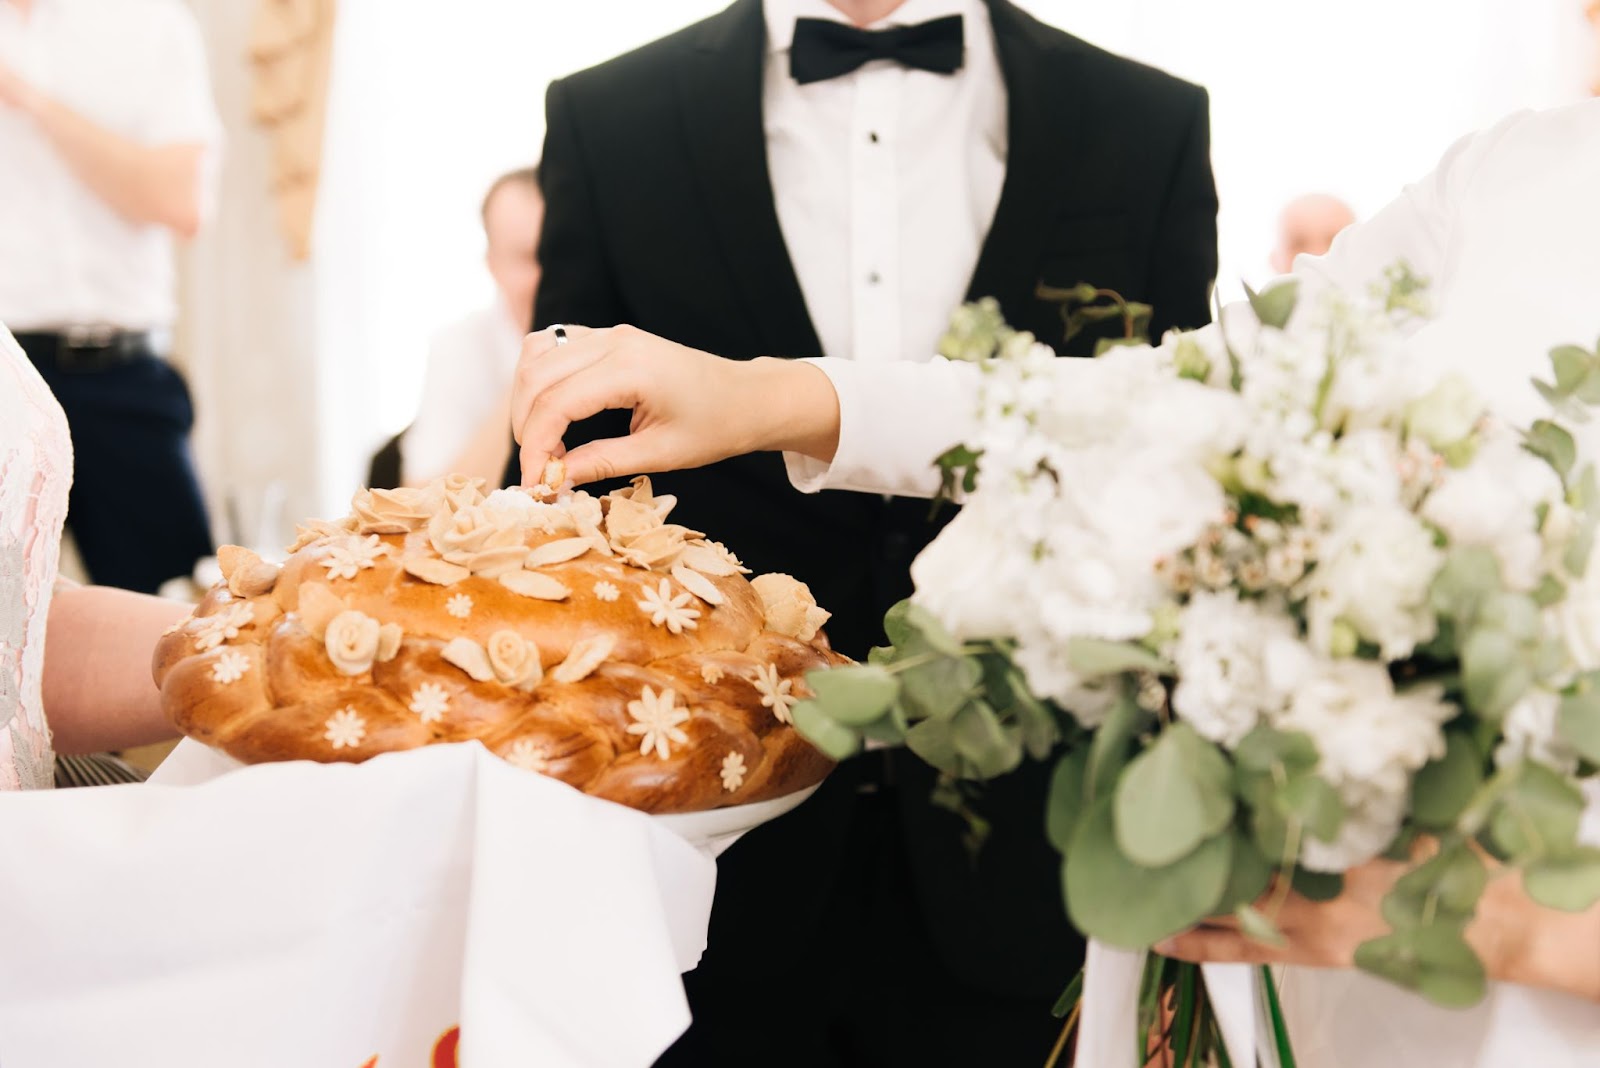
(136, 511)
(866, 989)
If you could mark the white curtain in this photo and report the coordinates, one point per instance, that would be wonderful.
(301, 372)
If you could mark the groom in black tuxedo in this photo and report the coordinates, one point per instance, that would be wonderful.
(775, 181)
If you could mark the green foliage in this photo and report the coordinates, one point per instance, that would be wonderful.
(1249, 874)
(1553, 445)
(1129, 905)
(1093, 657)
(1570, 881)
(1066, 800)
(1579, 718)
(856, 695)
(1538, 815)
(1443, 890)
(1275, 305)
(1442, 788)
(1434, 961)
(1084, 305)
(1172, 796)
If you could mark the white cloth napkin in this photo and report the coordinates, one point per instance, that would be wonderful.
(309, 914)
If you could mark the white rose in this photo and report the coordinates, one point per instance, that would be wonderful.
(1373, 574)
(352, 641)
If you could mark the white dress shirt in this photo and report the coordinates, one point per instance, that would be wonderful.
(138, 69)
(470, 366)
(885, 180)
(1508, 230)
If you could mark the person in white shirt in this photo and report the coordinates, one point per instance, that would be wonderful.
(806, 178)
(460, 426)
(107, 131)
(1507, 231)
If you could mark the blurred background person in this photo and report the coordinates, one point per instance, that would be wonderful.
(106, 129)
(1308, 226)
(461, 426)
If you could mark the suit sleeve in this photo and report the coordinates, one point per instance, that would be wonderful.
(577, 285)
(1184, 254)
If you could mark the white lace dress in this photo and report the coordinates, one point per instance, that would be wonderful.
(35, 474)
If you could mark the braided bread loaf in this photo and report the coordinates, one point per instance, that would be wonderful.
(582, 637)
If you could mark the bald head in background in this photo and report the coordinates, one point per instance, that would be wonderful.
(1308, 225)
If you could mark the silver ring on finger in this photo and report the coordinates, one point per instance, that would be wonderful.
(561, 334)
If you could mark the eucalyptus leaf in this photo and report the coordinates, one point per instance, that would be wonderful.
(1123, 904)
(1570, 882)
(821, 731)
(1317, 885)
(1256, 926)
(1494, 675)
(1441, 789)
(1275, 304)
(1539, 814)
(898, 624)
(1470, 574)
(1249, 875)
(1579, 722)
(941, 687)
(1066, 800)
(934, 742)
(1094, 657)
(1436, 962)
(1444, 889)
(1108, 751)
(855, 695)
(984, 743)
(1315, 804)
(1552, 444)
(1266, 747)
(1171, 797)
(1571, 363)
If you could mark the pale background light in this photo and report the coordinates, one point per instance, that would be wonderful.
(430, 102)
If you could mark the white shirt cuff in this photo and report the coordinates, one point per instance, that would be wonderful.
(895, 420)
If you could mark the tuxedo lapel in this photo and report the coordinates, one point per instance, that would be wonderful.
(1042, 102)
(721, 92)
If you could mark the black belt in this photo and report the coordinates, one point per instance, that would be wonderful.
(85, 348)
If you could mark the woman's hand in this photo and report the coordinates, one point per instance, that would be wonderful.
(690, 408)
(1317, 934)
(1518, 940)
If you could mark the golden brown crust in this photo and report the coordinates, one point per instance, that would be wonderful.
(667, 691)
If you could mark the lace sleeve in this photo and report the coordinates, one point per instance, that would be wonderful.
(35, 475)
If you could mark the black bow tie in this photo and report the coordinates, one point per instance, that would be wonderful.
(824, 49)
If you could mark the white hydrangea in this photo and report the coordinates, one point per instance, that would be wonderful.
(1225, 679)
(1530, 731)
(1373, 573)
(1370, 741)
(1493, 502)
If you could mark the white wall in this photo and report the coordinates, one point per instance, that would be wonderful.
(431, 101)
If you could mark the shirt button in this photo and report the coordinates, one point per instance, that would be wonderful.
(873, 137)
(874, 278)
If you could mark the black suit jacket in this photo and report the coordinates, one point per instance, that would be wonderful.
(660, 214)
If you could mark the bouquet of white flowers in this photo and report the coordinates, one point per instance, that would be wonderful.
(1276, 601)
